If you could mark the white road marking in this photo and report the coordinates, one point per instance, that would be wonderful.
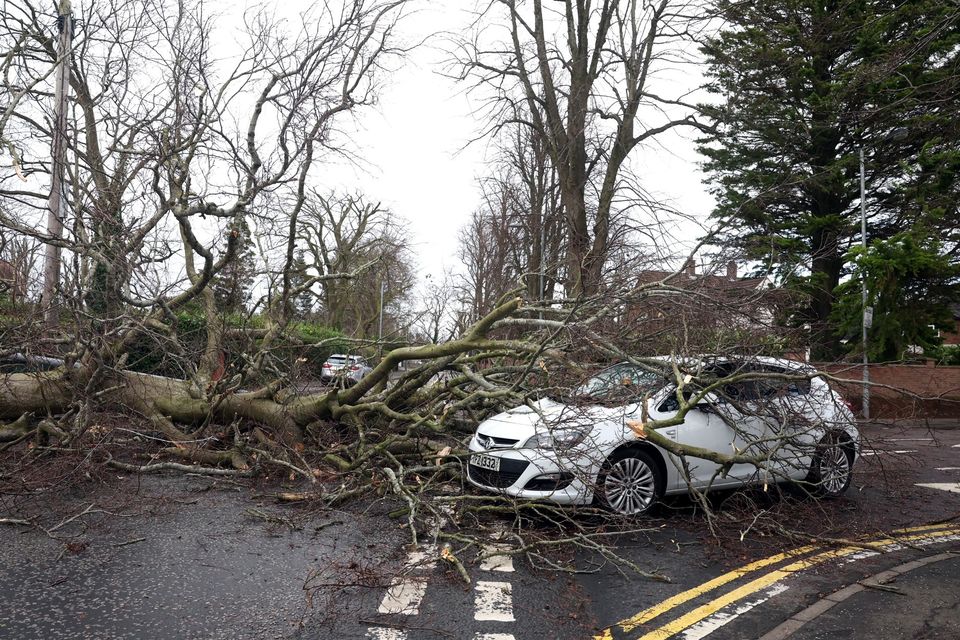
(923, 542)
(385, 633)
(708, 625)
(500, 562)
(952, 487)
(859, 556)
(948, 468)
(404, 596)
(423, 558)
(956, 446)
(878, 451)
(494, 636)
(909, 439)
(493, 601)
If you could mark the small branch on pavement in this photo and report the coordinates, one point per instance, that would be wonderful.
(881, 587)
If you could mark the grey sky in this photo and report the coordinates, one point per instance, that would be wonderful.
(412, 145)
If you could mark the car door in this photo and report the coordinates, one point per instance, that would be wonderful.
(788, 410)
(754, 413)
(709, 426)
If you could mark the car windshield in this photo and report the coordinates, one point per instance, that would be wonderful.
(619, 381)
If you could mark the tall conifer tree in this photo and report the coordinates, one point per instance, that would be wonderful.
(801, 86)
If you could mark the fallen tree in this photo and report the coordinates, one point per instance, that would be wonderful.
(204, 150)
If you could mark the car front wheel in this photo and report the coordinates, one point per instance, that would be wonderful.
(629, 483)
(831, 470)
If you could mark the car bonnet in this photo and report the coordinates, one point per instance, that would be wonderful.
(545, 415)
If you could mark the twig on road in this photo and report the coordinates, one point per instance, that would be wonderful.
(134, 541)
(16, 521)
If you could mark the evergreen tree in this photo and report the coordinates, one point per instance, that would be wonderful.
(803, 85)
(904, 274)
(233, 284)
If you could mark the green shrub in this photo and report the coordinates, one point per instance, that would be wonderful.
(945, 354)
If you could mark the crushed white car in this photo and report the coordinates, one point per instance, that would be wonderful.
(583, 451)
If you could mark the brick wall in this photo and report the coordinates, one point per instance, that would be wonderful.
(905, 391)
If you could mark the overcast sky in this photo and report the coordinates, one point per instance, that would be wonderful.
(419, 163)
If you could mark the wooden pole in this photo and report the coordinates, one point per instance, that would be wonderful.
(55, 205)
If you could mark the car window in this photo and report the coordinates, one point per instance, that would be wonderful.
(733, 391)
(752, 390)
(670, 403)
(618, 380)
(773, 387)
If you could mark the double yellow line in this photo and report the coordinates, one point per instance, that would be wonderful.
(696, 615)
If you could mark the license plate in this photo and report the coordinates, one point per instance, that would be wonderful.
(484, 461)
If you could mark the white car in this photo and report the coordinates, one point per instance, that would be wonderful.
(589, 449)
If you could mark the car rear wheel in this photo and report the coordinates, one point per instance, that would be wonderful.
(831, 469)
(630, 482)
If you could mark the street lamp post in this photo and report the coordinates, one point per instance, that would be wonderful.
(543, 252)
(867, 318)
(896, 135)
(55, 204)
(383, 285)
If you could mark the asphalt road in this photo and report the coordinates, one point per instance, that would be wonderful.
(722, 588)
(198, 558)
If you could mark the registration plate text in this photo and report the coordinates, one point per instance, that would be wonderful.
(484, 461)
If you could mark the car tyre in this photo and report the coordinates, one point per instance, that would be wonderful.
(831, 468)
(630, 482)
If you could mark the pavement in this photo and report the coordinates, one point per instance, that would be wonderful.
(918, 591)
(182, 557)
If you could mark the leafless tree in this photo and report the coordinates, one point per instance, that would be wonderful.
(169, 139)
(582, 77)
(350, 235)
(484, 245)
(18, 260)
(439, 318)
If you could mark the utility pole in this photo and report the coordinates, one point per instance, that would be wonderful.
(55, 208)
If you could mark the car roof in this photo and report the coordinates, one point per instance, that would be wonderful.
(795, 365)
(693, 361)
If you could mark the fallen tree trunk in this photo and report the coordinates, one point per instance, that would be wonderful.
(175, 406)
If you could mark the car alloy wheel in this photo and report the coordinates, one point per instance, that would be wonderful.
(629, 484)
(830, 473)
(834, 470)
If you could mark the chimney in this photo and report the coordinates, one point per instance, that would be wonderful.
(732, 270)
(690, 267)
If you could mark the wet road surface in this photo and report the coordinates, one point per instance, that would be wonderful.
(199, 558)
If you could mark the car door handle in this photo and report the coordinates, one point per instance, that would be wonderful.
(670, 433)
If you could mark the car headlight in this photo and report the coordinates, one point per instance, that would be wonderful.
(556, 439)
